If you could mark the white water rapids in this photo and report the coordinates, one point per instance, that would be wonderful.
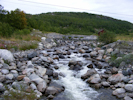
(75, 87)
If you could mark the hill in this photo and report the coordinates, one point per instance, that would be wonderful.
(77, 23)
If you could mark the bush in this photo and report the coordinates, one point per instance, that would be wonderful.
(5, 30)
(107, 37)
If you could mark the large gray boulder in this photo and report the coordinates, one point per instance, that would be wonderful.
(6, 55)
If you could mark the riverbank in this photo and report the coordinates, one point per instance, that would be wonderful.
(74, 67)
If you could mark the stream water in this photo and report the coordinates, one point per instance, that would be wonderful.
(75, 87)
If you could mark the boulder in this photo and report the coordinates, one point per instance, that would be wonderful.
(6, 55)
(32, 55)
(9, 76)
(105, 84)
(94, 79)
(88, 74)
(93, 54)
(127, 98)
(115, 78)
(129, 87)
(4, 71)
(2, 78)
(42, 86)
(118, 91)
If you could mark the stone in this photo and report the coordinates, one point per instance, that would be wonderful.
(41, 71)
(20, 77)
(115, 78)
(9, 76)
(28, 70)
(129, 87)
(32, 55)
(90, 65)
(130, 95)
(101, 52)
(105, 84)
(49, 72)
(114, 70)
(35, 78)
(2, 89)
(81, 51)
(94, 79)
(33, 86)
(109, 50)
(26, 79)
(120, 85)
(127, 98)
(42, 86)
(13, 72)
(93, 54)
(88, 74)
(4, 71)
(2, 78)
(6, 55)
(38, 93)
(72, 47)
(51, 90)
(118, 91)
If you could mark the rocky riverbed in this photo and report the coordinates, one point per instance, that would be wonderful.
(68, 70)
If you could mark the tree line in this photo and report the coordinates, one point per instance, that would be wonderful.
(61, 22)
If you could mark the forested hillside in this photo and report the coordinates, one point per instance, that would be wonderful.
(77, 23)
(18, 22)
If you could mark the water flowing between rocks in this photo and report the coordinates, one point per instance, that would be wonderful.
(75, 87)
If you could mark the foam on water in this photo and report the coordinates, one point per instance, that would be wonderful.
(75, 87)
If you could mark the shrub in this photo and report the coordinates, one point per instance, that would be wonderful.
(107, 37)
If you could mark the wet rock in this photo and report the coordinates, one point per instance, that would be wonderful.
(101, 52)
(88, 74)
(98, 86)
(129, 87)
(115, 78)
(5, 66)
(81, 51)
(90, 65)
(49, 72)
(85, 56)
(51, 90)
(93, 54)
(94, 79)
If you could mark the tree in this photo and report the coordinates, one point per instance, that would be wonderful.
(17, 19)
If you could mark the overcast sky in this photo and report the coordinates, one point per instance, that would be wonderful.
(119, 9)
